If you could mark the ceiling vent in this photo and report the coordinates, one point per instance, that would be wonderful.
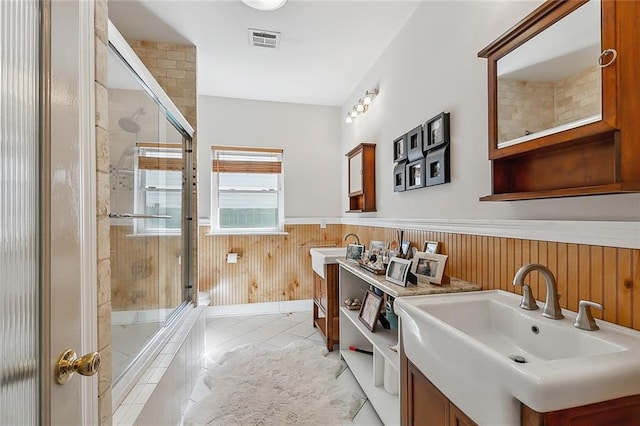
(262, 38)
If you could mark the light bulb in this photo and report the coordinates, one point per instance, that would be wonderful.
(368, 97)
(354, 113)
(360, 106)
(349, 120)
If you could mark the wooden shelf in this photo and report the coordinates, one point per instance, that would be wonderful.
(615, 188)
(380, 339)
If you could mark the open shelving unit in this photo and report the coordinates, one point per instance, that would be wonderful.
(369, 370)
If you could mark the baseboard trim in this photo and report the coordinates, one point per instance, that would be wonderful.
(260, 308)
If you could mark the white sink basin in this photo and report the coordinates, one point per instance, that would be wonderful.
(324, 256)
(465, 343)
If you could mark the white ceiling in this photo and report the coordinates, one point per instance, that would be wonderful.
(325, 50)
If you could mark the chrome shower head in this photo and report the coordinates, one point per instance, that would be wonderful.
(129, 124)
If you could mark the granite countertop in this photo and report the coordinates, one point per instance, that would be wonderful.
(395, 290)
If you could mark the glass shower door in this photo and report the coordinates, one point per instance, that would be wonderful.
(146, 179)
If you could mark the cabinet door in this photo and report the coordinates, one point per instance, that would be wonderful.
(458, 418)
(426, 404)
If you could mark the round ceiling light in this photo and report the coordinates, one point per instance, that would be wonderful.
(265, 4)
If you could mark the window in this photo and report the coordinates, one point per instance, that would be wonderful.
(158, 187)
(247, 194)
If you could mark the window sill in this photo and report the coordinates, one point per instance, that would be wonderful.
(238, 232)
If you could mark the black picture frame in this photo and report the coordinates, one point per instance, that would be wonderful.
(370, 310)
(400, 149)
(414, 174)
(436, 131)
(405, 246)
(399, 177)
(414, 144)
(437, 166)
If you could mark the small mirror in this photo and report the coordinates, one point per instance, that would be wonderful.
(552, 82)
(355, 173)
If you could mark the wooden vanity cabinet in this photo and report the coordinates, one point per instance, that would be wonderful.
(423, 404)
(326, 314)
(362, 178)
(618, 412)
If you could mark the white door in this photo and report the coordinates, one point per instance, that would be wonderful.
(72, 182)
(47, 211)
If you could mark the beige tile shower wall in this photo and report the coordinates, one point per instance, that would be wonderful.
(271, 268)
(103, 199)
(578, 96)
(524, 106)
(606, 275)
(174, 67)
(145, 271)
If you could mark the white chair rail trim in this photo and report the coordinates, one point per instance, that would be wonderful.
(600, 233)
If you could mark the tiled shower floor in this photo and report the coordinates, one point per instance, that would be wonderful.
(275, 331)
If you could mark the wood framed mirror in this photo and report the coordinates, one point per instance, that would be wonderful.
(572, 149)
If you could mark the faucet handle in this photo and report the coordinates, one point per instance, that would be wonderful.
(584, 320)
(528, 302)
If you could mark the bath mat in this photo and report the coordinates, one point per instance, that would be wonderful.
(296, 385)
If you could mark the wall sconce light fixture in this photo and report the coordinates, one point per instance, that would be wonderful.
(362, 106)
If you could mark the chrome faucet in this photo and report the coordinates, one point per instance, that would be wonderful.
(354, 236)
(551, 306)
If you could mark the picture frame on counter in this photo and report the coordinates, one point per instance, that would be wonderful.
(414, 144)
(354, 252)
(400, 148)
(399, 177)
(398, 270)
(376, 247)
(370, 310)
(437, 166)
(436, 131)
(405, 246)
(431, 247)
(429, 268)
(414, 174)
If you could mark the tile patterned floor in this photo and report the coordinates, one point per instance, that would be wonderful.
(274, 331)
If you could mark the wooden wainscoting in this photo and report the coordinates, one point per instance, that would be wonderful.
(271, 268)
(278, 268)
(145, 273)
(606, 275)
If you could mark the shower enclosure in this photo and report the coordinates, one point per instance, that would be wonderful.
(149, 144)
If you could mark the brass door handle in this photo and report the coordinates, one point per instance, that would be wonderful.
(69, 363)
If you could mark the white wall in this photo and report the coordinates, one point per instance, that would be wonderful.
(309, 135)
(432, 66)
